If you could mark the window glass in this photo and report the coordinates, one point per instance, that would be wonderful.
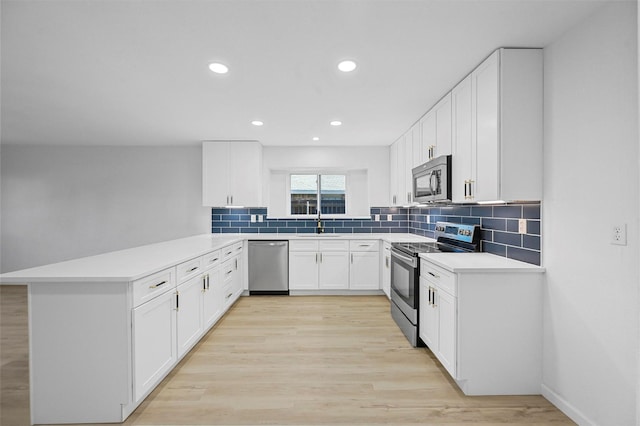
(304, 194)
(310, 192)
(332, 194)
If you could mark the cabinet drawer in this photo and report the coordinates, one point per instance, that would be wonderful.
(152, 286)
(227, 293)
(439, 276)
(306, 245)
(211, 260)
(364, 245)
(189, 269)
(334, 245)
(227, 270)
(231, 250)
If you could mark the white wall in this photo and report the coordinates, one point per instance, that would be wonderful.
(65, 202)
(374, 159)
(591, 183)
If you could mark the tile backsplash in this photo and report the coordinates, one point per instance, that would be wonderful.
(499, 224)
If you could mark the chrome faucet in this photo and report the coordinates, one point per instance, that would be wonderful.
(319, 225)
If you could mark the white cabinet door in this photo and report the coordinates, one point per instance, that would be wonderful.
(238, 284)
(428, 316)
(429, 134)
(246, 174)
(364, 271)
(212, 298)
(189, 314)
(416, 144)
(485, 125)
(386, 269)
(462, 146)
(393, 174)
(154, 342)
(232, 173)
(402, 172)
(443, 127)
(447, 346)
(334, 270)
(303, 270)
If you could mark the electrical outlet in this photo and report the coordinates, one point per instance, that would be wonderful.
(619, 234)
(522, 226)
(260, 218)
(389, 218)
(377, 218)
(253, 218)
(428, 218)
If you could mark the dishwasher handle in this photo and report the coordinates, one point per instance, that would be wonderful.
(269, 243)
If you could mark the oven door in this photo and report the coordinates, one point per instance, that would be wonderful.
(404, 281)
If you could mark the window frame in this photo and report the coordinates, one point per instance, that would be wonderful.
(318, 174)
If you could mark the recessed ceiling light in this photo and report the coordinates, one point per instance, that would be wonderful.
(218, 68)
(347, 66)
(336, 123)
(315, 138)
(257, 123)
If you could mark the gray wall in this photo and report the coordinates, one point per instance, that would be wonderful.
(64, 202)
(591, 184)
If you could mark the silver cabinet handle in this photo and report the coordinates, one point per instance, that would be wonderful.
(351, 257)
(434, 275)
(158, 285)
(231, 199)
(320, 257)
(193, 269)
(316, 257)
(213, 260)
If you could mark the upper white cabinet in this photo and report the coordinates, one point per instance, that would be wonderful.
(497, 128)
(436, 130)
(232, 173)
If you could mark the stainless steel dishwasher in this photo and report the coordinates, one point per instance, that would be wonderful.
(268, 267)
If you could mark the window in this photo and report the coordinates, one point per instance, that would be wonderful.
(310, 192)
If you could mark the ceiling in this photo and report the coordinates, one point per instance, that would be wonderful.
(136, 72)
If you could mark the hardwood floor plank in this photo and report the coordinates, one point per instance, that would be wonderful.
(303, 360)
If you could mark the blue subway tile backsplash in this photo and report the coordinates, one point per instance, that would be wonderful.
(499, 225)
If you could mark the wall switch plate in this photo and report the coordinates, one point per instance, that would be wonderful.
(522, 226)
(260, 218)
(389, 218)
(619, 234)
(253, 218)
(377, 218)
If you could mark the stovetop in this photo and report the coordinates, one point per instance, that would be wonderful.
(451, 238)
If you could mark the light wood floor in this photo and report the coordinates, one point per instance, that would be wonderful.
(292, 361)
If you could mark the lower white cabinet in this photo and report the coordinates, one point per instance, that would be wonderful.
(303, 270)
(212, 298)
(484, 326)
(385, 269)
(190, 318)
(154, 342)
(333, 270)
(364, 271)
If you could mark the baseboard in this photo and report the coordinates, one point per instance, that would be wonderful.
(572, 412)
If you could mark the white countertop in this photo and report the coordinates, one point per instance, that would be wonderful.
(137, 262)
(479, 262)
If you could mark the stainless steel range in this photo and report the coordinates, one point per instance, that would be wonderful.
(405, 270)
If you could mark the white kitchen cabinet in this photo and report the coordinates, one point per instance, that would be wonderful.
(484, 325)
(232, 173)
(402, 187)
(364, 273)
(416, 146)
(436, 130)
(231, 281)
(393, 174)
(463, 167)
(303, 270)
(189, 307)
(317, 265)
(503, 160)
(154, 342)
(212, 298)
(385, 269)
(333, 271)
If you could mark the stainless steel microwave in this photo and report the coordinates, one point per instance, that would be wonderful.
(432, 180)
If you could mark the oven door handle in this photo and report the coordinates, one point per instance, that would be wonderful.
(405, 259)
